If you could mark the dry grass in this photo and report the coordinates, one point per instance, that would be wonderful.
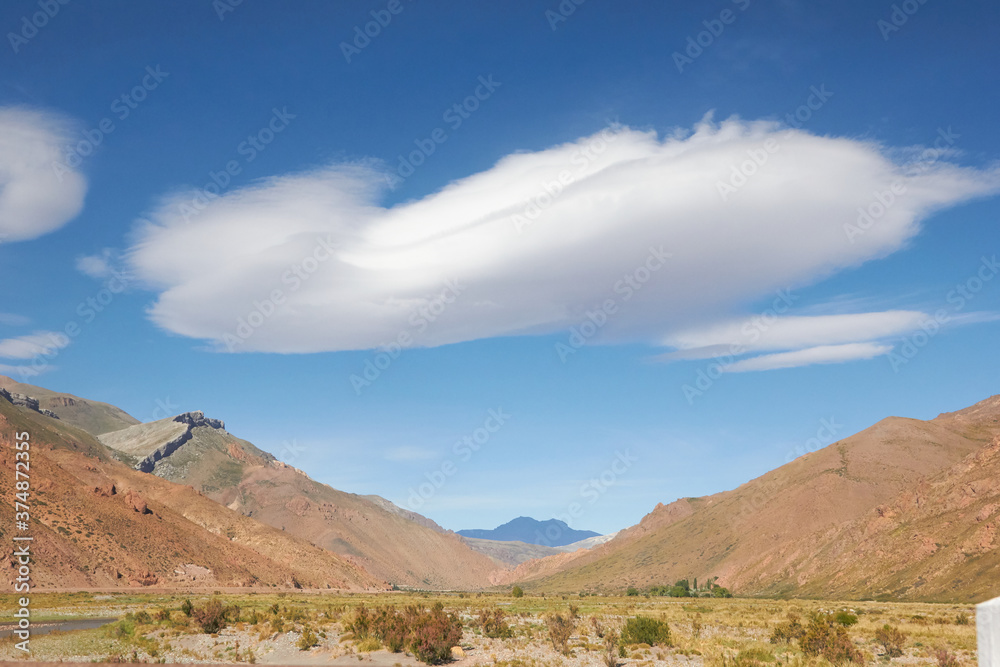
(723, 632)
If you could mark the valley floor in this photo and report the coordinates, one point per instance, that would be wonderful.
(268, 627)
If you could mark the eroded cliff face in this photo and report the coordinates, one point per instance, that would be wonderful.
(193, 420)
(26, 401)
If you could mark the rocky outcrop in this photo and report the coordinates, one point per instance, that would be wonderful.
(135, 501)
(198, 418)
(193, 420)
(25, 401)
(105, 491)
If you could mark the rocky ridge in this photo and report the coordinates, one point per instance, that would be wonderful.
(26, 401)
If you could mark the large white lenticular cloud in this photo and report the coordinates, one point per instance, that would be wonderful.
(37, 193)
(533, 244)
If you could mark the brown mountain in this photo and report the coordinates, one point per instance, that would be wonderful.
(97, 523)
(92, 416)
(796, 529)
(393, 544)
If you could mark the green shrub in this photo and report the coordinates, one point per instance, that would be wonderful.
(632, 591)
(494, 623)
(749, 657)
(123, 629)
(646, 630)
(845, 618)
(517, 592)
(307, 640)
(721, 592)
(891, 639)
(187, 607)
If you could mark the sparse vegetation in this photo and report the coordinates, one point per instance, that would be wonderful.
(945, 658)
(891, 639)
(845, 618)
(307, 640)
(823, 636)
(428, 634)
(494, 623)
(729, 634)
(560, 629)
(517, 592)
(214, 615)
(646, 630)
(789, 631)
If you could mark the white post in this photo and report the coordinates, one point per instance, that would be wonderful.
(988, 631)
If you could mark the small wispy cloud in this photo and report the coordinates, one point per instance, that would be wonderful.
(100, 265)
(824, 354)
(32, 345)
(14, 320)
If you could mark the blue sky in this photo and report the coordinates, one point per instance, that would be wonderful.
(589, 120)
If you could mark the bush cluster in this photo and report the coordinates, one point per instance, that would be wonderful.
(214, 616)
(891, 639)
(789, 631)
(645, 630)
(494, 623)
(824, 636)
(428, 634)
(560, 630)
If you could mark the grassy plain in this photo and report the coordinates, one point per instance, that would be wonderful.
(268, 628)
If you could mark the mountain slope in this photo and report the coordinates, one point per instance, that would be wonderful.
(758, 538)
(97, 523)
(936, 541)
(93, 417)
(389, 542)
(510, 554)
(551, 533)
